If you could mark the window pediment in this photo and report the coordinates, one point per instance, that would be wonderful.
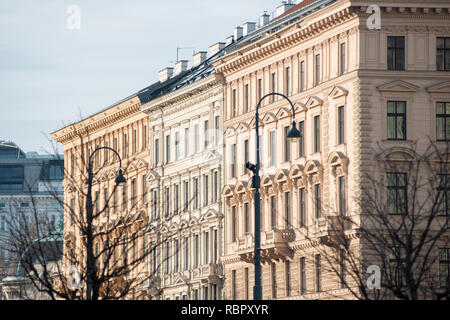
(313, 102)
(338, 92)
(398, 86)
(443, 87)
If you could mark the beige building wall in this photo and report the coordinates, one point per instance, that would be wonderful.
(345, 66)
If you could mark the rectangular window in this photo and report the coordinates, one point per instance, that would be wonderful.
(317, 134)
(234, 104)
(318, 201)
(167, 258)
(125, 145)
(124, 197)
(302, 206)
(443, 121)
(302, 275)
(302, 76)
(246, 158)
(246, 291)
(318, 273)
(206, 134)
(246, 97)
(167, 201)
(206, 241)
(233, 224)
(287, 81)
(186, 142)
(443, 53)
(396, 120)
(233, 284)
(287, 145)
(156, 152)
(246, 218)
(177, 198)
(216, 186)
(397, 193)
(144, 137)
(217, 129)
(133, 193)
(397, 266)
(273, 212)
(342, 58)
(317, 73)
(196, 251)
(134, 141)
(177, 146)
(396, 52)
(274, 85)
(444, 267)
(144, 188)
(205, 189)
(342, 205)
(155, 203)
(167, 148)
(215, 252)
(341, 125)
(272, 148)
(177, 257)
(288, 278)
(186, 196)
(196, 139)
(301, 141)
(342, 273)
(233, 160)
(287, 210)
(195, 191)
(259, 89)
(186, 253)
(274, 280)
(443, 194)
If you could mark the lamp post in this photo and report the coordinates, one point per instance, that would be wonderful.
(89, 217)
(293, 133)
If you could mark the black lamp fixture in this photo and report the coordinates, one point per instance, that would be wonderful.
(120, 178)
(293, 133)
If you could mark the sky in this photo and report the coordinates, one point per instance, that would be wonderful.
(63, 60)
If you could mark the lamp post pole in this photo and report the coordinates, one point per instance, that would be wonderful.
(90, 259)
(256, 183)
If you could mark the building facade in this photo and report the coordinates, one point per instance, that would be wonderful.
(344, 76)
(185, 172)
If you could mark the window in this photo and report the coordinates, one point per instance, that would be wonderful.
(287, 145)
(273, 212)
(177, 146)
(318, 273)
(342, 268)
(342, 206)
(273, 148)
(317, 201)
(287, 81)
(302, 76)
(196, 250)
(246, 291)
(246, 218)
(217, 126)
(205, 293)
(397, 266)
(216, 186)
(259, 89)
(215, 249)
(317, 74)
(196, 137)
(206, 134)
(186, 253)
(233, 224)
(56, 172)
(195, 191)
(156, 152)
(246, 97)
(2, 223)
(342, 58)
(443, 195)
(302, 206)
(341, 125)
(155, 203)
(233, 284)
(167, 148)
(206, 241)
(396, 53)
(125, 145)
(186, 196)
(186, 142)
(288, 278)
(397, 193)
(144, 137)
(133, 193)
(443, 121)
(144, 188)
(205, 190)
(444, 267)
(11, 178)
(443, 54)
(287, 209)
(317, 134)
(167, 257)
(274, 85)
(274, 280)
(301, 141)
(233, 160)
(302, 275)
(234, 104)
(396, 120)
(177, 199)
(124, 197)
(134, 141)
(167, 201)
(245, 155)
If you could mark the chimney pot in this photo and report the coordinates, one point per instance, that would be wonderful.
(181, 66)
(249, 27)
(237, 33)
(199, 57)
(216, 48)
(264, 19)
(165, 74)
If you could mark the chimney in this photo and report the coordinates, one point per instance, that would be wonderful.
(229, 40)
(216, 48)
(165, 74)
(264, 19)
(249, 27)
(199, 57)
(181, 66)
(237, 33)
(285, 6)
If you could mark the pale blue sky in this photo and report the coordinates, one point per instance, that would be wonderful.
(48, 73)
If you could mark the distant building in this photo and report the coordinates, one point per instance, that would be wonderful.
(29, 183)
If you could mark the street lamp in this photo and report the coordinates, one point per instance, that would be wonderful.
(89, 217)
(292, 134)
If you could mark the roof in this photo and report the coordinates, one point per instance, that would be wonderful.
(298, 6)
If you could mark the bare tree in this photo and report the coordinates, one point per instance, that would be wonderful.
(402, 232)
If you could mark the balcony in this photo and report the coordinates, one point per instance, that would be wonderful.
(331, 228)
